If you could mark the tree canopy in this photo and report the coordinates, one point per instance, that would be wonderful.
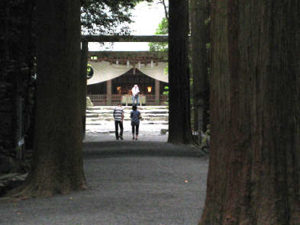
(162, 29)
(107, 17)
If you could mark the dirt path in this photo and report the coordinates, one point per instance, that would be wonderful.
(130, 183)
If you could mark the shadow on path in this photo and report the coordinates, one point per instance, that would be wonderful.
(136, 148)
(155, 184)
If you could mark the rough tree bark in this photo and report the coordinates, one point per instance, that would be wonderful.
(199, 39)
(58, 163)
(254, 171)
(179, 80)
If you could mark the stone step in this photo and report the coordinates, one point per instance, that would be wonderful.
(99, 119)
(96, 115)
(128, 113)
(125, 114)
(126, 107)
(109, 126)
(147, 115)
(128, 119)
(129, 109)
(143, 122)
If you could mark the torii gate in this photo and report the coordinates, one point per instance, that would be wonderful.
(85, 39)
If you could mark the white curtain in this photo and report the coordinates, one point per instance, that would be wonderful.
(155, 70)
(104, 71)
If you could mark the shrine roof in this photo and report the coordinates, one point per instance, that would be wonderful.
(133, 56)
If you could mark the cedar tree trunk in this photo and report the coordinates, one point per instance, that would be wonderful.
(199, 39)
(179, 82)
(254, 171)
(58, 163)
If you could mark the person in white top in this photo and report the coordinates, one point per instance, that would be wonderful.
(135, 94)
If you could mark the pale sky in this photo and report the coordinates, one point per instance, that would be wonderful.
(146, 18)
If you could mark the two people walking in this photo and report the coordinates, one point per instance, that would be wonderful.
(135, 116)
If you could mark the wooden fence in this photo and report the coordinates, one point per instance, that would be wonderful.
(99, 100)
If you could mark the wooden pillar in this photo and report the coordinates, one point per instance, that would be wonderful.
(108, 92)
(83, 83)
(157, 92)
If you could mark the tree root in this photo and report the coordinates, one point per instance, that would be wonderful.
(32, 190)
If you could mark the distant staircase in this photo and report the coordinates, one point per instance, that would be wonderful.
(100, 118)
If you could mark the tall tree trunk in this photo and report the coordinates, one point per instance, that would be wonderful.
(58, 163)
(179, 80)
(199, 39)
(254, 171)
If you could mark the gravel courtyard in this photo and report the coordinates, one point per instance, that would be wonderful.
(129, 183)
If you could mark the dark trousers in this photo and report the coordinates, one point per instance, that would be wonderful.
(117, 125)
(135, 127)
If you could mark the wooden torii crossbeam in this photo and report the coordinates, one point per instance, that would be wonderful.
(124, 38)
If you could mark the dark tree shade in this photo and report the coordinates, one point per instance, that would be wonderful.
(179, 95)
(199, 54)
(16, 80)
(58, 163)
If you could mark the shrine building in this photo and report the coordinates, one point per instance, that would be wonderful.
(112, 75)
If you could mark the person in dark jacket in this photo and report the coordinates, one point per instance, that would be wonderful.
(135, 116)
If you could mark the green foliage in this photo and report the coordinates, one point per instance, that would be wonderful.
(166, 90)
(90, 71)
(162, 29)
(166, 70)
(107, 16)
(161, 46)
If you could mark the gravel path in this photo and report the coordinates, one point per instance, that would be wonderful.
(130, 183)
